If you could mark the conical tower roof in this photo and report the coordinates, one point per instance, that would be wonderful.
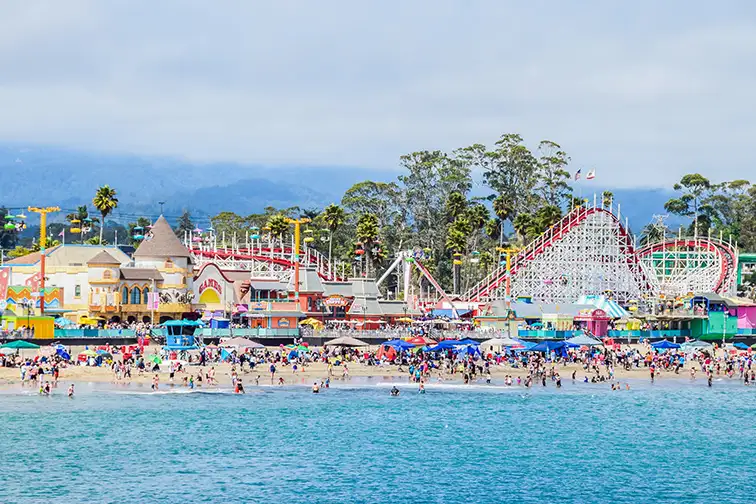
(104, 258)
(161, 242)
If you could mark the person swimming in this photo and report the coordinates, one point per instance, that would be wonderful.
(71, 390)
(394, 391)
(421, 390)
(315, 388)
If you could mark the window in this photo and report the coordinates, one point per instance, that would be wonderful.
(136, 296)
(77, 291)
(125, 295)
(107, 274)
(145, 295)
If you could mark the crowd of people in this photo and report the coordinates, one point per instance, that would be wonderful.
(469, 364)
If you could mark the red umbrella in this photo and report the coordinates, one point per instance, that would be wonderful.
(421, 340)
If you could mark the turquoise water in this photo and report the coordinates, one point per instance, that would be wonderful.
(671, 442)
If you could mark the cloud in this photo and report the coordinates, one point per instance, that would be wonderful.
(643, 92)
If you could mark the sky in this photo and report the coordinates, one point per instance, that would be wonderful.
(643, 92)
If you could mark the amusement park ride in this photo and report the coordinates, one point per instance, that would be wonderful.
(589, 251)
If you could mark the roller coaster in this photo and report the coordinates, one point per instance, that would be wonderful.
(589, 251)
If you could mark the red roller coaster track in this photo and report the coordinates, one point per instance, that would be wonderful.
(244, 255)
(727, 256)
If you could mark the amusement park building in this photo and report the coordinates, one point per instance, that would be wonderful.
(104, 282)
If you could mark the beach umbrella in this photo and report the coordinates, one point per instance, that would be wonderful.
(104, 354)
(664, 345)
(502, 343)
(468, 341)
(421, 341)
(405, 320)
(346, 341)
(155, 359)
(740, 345)
(548, 346)
(89, 353)
(312, 322)
(19, 345)
(398, 344)
(63, 354)
(241, 343)
(583, 340)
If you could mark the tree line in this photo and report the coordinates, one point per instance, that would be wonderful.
(430, 208)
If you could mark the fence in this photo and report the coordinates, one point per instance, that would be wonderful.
(544, 334)
(94, 333)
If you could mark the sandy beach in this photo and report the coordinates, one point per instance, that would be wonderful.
(316, 372)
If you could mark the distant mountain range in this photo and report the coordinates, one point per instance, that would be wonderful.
(40, 175)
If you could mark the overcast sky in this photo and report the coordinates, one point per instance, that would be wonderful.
(642, 91)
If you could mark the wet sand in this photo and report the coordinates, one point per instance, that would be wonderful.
(317, 372)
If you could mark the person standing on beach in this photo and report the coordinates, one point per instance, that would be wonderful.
(71, 391)
(155, 382)
(272, 373)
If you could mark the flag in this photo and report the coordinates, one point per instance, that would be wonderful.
(153, 301)
(577, 174)
(4, 281)
(62, 233)
(591, 175)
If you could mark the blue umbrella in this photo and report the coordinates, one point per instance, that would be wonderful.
(398, 344)
(63, 354)
(468, 341)
(664, 344)
(741, 346)
(548, 346)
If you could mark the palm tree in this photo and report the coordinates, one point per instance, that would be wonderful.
(334, 218)
(367, 232)
(278, 227)
(522, 224)
(455, 205)
(456, 242)
(504, 211)
(607, 197)
(653, 233)
(547, 216)
(486, 261)
(105, 201)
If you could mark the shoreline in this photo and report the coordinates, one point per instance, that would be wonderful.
(358, 375)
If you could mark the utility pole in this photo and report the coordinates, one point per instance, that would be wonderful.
(42, 242)
(297, 223)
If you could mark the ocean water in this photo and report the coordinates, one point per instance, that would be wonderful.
(670, 442)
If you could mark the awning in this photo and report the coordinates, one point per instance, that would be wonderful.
(448, 312)
(267, 285)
